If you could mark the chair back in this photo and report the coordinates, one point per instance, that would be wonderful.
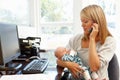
(113, 68)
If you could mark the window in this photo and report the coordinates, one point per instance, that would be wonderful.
(56, 22)
(56, 10)
(14, 11)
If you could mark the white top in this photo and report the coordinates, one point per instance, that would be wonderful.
(105, 52)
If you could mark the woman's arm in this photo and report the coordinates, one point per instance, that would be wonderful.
(94, 61)
(73, 67)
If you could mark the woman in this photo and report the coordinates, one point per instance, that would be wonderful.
(95, 47)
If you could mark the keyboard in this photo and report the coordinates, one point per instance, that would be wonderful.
(36, 66)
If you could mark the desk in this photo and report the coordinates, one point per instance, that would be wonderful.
(49, 74)
(13, 67)
(49, 70)
(27, 77)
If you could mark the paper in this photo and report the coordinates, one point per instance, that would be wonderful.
(27, 77)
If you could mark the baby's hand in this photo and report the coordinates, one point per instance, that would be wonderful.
(72, 52)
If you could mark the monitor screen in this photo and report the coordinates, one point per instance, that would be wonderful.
(9, 43)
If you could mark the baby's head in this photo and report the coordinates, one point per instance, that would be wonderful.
(60, 51)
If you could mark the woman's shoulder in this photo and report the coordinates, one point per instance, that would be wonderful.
(110, 39)
(109, 42)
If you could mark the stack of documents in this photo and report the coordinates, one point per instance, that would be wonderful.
(27, 77)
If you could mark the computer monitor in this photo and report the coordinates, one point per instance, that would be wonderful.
(9, 43)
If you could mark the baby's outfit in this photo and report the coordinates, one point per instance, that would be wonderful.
(76, 59)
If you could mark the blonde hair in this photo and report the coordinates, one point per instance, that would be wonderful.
(96, 13)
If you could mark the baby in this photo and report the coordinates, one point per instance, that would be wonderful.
(64, 54)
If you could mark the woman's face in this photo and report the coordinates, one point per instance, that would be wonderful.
(86, 24)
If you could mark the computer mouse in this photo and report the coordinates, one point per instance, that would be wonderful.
(34, 57)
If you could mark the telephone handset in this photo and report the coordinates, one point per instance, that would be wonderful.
(90, 30)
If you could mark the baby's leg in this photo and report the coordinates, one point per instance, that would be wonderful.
(86, 74)
(94, 76)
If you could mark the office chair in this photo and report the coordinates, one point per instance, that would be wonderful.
(113, 68)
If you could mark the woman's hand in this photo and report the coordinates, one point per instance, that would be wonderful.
(74, 69)
(95, 31)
